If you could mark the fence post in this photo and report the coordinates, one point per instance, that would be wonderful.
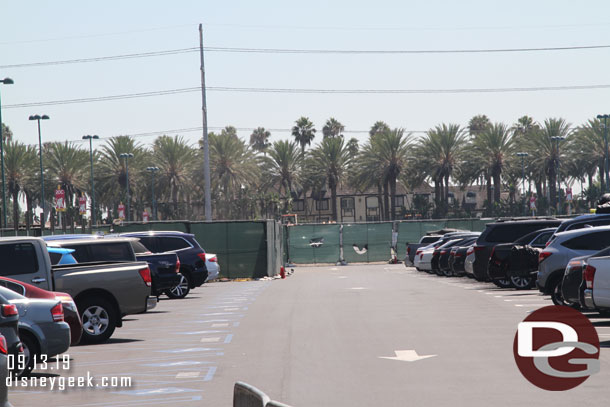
(341, 261)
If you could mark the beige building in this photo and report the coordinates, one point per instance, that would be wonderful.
(353, 206)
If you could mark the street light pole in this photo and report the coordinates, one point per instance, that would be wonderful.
(523, 155)
(5, 81)
(91, 138)
(152, 171)
(606, 186)
(127, 156)
(38, 118)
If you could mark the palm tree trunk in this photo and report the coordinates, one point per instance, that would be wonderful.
(437, 195)
(601, 176)
(29, 219)
(380, 200)
(553, 186)
(392, 181)
(16, 211)
(386, 201)
(332, 184)
(590, 180)
(488, 186)
(446, 193)
(497, 185)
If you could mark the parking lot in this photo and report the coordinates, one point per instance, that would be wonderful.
(322, 338)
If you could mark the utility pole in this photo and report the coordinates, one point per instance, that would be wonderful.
(206, 146)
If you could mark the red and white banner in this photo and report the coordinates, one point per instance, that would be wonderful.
(121, 212)
(533, 203)
(60, 200)
(145, 216)
(82, 205)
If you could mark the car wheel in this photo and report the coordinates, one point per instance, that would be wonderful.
(503, 283)
(447, 273)
(30, 350)
(556, 294)
(522, 283)
(181, 289)
(99, 320)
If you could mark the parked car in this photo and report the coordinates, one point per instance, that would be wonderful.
(572, 287)
(71, 315)
(562, 248)
(164, 267)
(457, 259)
(583, 221)
(596, 279)
(503, 231)
(193, 271)
(61, 256)
(515, 262)
(104, 291)
(412, 248)
(4, 372)
(423, 256)
(445, 254)
(42, 328)
(9, 329)
(211, 263)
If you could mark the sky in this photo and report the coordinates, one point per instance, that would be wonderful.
(42, 31)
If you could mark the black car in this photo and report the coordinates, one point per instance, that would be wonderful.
(511, 264)
(443, 249)
(445, 255)
(9, 328)
(193, 270)
(503, 231)
(457, 257)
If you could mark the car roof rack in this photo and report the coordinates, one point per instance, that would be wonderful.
(522, 218)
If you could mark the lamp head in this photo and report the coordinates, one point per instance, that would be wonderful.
(7, 81)
(44, 117)
(34, 117)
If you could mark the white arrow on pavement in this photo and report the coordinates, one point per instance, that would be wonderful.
(407, 356)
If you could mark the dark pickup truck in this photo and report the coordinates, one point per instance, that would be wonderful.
(164, 267)
(515, 262)
(412, 248)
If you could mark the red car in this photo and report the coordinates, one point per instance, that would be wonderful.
(69, 306)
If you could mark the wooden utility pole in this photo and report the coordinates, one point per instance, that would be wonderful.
(206, 146)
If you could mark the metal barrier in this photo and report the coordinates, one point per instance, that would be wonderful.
(245, 395)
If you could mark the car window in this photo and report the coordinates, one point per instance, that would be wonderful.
(429, 239)
(18, 258)
(589, 241)
(119, 251)
(591, 223)
(139, 248)
(149, 242)
(541, 240)
(527, 238)
(509, 232)
(18, 288)
(168, 244)
(10, 294)
(55, 258)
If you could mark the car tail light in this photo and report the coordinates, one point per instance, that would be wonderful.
(145, 274)
(177, 266)
(469, 251)
(3, 347)
(58, 312)
(9, 310)
(408, 250)
(443, 252)
(418, 252)
(589, 275)
(421, 256)
(213, 259)
(201, 256)
(478, 248)
(543, 255)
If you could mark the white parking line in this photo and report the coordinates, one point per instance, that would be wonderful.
(187, 375)
(210, 340)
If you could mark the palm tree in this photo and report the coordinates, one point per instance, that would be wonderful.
(589, 138)
(68, 166)
(331, 158)
(175, 158)
(303, 132)
(259, 140)
(378, 128)
(20, 167)
(493, 146)
(550, 151)
(282, 167)
(353, 147)
(478, 124)
(333, 128)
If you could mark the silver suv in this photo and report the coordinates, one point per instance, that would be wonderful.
(563, 247)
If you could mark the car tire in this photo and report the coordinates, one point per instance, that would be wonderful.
(503, 283)
(99, 319)
(181, 289)
(522, 283)
(556, 294)
(30, 349)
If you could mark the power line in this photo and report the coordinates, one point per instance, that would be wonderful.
(307, 91)
(297, 51)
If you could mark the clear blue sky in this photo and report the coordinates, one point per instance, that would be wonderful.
(37, 31)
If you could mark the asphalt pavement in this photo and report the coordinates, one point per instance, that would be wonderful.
(325, 336)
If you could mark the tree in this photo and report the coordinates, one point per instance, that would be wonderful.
(20, 166)
(331, 158)
(282, 167)
(353, 147)
(7, 134)
(175, 159)
(259, 140)
(303, 132)
(379, 127)
(478, 124)
(333, 128)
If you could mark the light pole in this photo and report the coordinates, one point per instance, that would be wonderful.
(523, 155)
(5, 81)
(152, 171)
(558, 139)
(606, 186)
(38, 118)
(91, 138)
(127, 156)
